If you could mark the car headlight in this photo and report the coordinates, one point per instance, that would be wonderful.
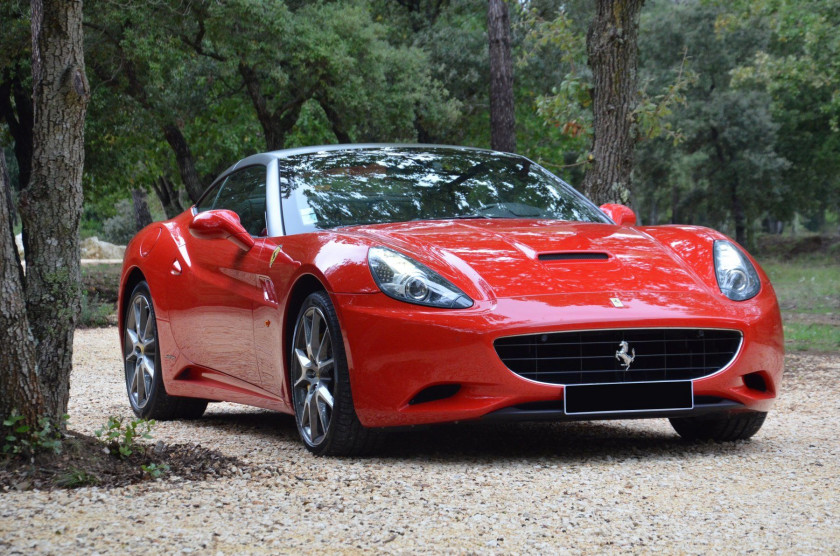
(736, 276)
(405, 279)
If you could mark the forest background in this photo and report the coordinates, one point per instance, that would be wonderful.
(736, 117)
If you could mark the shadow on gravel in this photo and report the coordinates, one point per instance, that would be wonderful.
(561, 442)
(262, 425)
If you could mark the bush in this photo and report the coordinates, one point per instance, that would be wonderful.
(122, 439)
(120, 228)
(94, 313)
(21, 439)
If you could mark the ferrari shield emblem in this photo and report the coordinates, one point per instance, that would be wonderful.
(274, 255)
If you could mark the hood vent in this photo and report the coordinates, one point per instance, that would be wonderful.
(575, 256)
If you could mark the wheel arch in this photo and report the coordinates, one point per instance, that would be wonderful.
(134, 277)
(303, 287)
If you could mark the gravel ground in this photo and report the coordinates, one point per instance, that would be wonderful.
(572, 488)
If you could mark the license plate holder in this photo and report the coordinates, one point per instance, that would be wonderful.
(628, 397)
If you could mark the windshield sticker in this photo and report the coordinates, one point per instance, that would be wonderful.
(307, 216)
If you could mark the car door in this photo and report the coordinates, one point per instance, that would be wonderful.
(278, 268)
(219, 333)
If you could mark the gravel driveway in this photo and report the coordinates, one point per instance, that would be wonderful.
(576, 488)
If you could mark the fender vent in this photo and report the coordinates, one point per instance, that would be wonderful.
(574, 257)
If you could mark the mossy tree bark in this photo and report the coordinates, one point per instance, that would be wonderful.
(19, 385)
(612, 53)
(38, 311)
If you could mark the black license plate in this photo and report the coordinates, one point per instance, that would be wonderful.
(628, 397)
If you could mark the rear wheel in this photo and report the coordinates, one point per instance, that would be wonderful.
(143, 379)
(324, 412)
(720, 428)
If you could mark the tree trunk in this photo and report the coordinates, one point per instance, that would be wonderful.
(168, 196)
(502, 117)
(51, 209)
(16, 109)
(277, 124)
(185, 161)
(336, 122)
(612, 52)
(738, 215)
(142, 216)
(19, 386)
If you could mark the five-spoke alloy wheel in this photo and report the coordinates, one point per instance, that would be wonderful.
(326, 419)
(141, 350)
(143, 378)
(314, 379)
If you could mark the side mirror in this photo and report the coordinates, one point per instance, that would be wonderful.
(621, 215)
(221, 224)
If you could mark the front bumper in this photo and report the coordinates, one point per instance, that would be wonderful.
(396, 351)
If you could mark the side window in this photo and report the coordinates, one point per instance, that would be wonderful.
(243, 192)
(206, 202)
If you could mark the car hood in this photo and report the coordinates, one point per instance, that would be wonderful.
(514, 258)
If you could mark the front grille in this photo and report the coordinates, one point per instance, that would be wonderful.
(591, 357)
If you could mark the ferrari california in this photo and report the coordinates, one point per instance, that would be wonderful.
(366, 287)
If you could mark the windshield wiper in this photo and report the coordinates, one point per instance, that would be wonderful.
(472, 216)
(464, 217)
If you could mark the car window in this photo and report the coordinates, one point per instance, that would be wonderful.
(396, 184)
(209, 197)
(243, 192)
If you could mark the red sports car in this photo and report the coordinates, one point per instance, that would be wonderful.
(361, 287)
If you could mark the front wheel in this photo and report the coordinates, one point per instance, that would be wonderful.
(720, 428)
(143, 379)
(324, 412)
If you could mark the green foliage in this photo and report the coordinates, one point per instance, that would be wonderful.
(736, 99)
(799, 67)
(22, 439)
(155, 471)
(569, 104)
(122, 438)
(75, 478)
(726, 171)
(94, 313)
(653, 112)
(121, 227)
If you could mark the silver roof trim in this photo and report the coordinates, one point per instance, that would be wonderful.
(285, 153)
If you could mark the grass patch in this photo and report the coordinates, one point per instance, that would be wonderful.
(103, 280)
(809, 296)
(805, 287)
(95, 313)
(100, 289)
(801, 336)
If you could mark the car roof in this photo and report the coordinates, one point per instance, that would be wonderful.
(265, 158)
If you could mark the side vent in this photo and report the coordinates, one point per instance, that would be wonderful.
(574, 256)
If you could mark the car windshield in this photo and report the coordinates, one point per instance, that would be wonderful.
(395, 184)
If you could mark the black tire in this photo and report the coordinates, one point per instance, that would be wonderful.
(321, 380)
(149, 400)
(720, 428)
